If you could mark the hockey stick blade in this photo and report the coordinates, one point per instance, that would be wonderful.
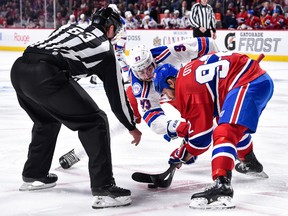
(159, 180)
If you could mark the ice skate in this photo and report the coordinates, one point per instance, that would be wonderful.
(31, 184)
(216, 196)
(110, 196)
(251, 166)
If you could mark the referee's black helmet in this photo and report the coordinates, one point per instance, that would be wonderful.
(106, 17)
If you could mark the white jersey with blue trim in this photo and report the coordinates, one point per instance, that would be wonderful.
(177, 54)
(182, 52)
(119, 43)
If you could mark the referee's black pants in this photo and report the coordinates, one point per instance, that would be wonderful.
(198, 33)
(50, 98)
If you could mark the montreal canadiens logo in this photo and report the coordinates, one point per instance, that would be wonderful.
(136, 88)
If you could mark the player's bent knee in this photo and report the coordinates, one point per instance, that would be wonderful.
(230, 132)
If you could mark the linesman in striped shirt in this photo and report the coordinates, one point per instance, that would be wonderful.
(203, 20)
(43, 79)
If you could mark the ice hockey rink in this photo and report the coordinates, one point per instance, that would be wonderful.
(72, 196)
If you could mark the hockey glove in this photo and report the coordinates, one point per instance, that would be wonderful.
(175, 129)
(179, 156)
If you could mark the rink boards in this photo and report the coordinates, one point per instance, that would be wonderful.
(272, 43)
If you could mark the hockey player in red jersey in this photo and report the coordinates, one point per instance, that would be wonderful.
(265, 19)
(278, 20)
(253, 22)
(233, 89)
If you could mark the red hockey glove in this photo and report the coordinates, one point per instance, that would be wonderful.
(179, 156)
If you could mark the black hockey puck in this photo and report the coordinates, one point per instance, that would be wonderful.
(152, 186)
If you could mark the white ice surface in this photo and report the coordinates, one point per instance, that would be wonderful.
(71, 196)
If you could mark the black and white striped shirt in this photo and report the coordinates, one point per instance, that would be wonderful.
(83, 49)
(203, 16)
(87, 51)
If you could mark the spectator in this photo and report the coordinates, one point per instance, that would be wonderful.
(253, 22)
(142, 8)
(9, 16)
(176, 21)
(268, 7)
(130, 8)
(230, 21)
(136, 9)
(4, 24)
(146, 12)
(277, 6)
(2, 20)
(33, 10)
(72, 19)
(265, 19)
(285, 8)
(242, 16)
(203, 20)
(131, 22)
(231, 7)
(148, 23)
(176, 5)
(154, 14)
(183, 9)
(83, 7)
(219, 14)
(165, 21)
(277, 20)
(59, 20)
(83, 20)
(186, 24)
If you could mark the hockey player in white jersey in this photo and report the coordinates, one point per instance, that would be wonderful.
(143, 62)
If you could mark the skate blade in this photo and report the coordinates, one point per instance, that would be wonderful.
(259, 175)
(108, 202)
(36, 185)
(221, 203)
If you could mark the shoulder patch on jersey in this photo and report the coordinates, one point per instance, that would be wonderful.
(137, 88)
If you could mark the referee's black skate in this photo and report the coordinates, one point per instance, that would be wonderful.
(216, 196)
(251, 166)
(38, 183)
(110, 196)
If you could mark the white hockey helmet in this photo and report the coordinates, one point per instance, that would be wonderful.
(140, 59)
(115, 8)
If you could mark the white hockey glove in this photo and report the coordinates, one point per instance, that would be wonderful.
(175, 129)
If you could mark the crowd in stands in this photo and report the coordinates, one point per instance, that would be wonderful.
(145, 14)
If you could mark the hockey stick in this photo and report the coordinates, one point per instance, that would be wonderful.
(260, 57)
(162, 180)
